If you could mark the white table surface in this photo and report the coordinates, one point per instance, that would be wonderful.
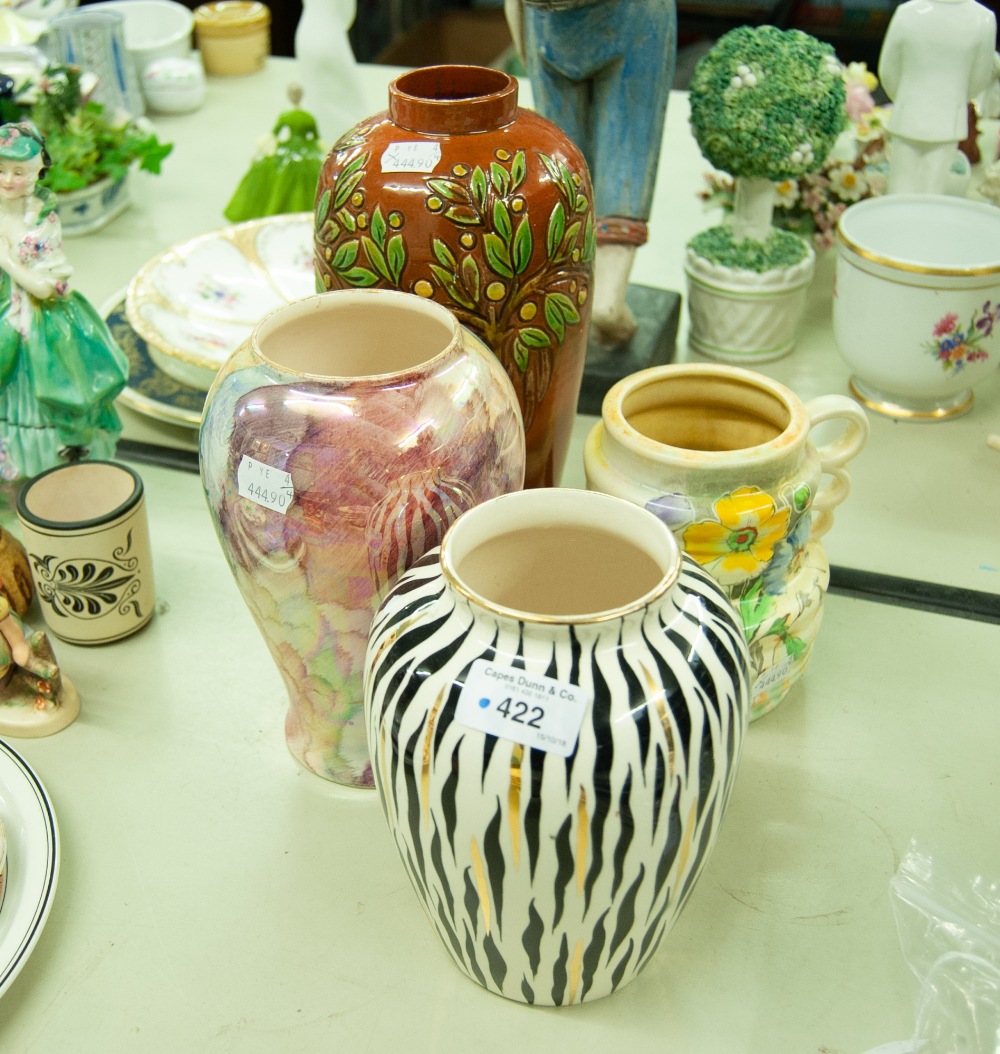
(216, 897)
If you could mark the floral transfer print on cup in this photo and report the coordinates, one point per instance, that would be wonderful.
(954, 347)
(760, 549)
(739, 543)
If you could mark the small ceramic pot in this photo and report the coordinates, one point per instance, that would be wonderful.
(85, 531)
(337, 445)
(234, 36)
(723, 456)
(554, 748)
(741, 316)
(90, 208)
(917, 307)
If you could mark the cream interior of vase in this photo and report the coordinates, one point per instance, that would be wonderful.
(559, 570)
(79, 493)
(347, 335)
(560, 553)
(702, 413)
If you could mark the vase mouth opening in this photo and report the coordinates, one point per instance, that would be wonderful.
(707, 410)
(558, 556)
(453, 100)
(352, 334)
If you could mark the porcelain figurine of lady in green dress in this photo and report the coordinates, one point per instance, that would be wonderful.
(60, 368)
(283, 177)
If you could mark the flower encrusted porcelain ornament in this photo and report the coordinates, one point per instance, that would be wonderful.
(767, 105)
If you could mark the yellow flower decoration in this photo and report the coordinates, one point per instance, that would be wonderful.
(740, 543)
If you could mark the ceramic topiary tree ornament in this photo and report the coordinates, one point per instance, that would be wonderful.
(766, 105)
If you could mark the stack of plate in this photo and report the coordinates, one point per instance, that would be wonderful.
(192, 306)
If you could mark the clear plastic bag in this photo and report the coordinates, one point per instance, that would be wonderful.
(949, 929)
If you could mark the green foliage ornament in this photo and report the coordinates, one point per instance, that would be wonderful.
(780, 249)
(767, 103)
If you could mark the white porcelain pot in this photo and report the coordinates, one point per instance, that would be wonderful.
(917, 306)
(90, 208)
(744, 316)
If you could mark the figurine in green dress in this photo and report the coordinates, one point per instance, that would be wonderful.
(60, 368)
(283, 177)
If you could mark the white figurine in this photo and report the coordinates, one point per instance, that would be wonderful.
(937, 56)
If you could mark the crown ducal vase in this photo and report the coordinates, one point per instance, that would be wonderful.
(554, 749)
(457, 195)
(724, 456)
(338, 444)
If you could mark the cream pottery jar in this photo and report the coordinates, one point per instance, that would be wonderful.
(723, 456)
(917, 306)
(741, 316)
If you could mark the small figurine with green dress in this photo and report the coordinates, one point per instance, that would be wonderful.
(283, 177)
(60, 368)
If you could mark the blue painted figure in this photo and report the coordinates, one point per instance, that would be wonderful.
(602, 71)
(60, 368)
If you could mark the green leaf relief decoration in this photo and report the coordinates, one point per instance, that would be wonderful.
(323, 207)
(464, 215)
(360, 277)
(501, 221)
(523, 246)
(347, 220)
(550, 166)
(479, 187)
(345, 256)
(444, 255)
(470, 276)
(378, 227)
(485, 267)
(448, 189)
(350, 176)
(500, 178)
(535, 337)
(518, 170)
(589, 239)
(376, 258)
(395, 255)
(556, 230)
(497, 255)
(521, 354)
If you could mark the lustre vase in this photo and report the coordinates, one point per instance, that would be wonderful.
(338, 443)
(723, 456)
(457, 195)
(555, 749)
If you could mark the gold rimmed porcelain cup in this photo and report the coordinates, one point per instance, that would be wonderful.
(916, 313)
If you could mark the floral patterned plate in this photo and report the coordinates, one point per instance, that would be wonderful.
(195, 303)
(150, 391)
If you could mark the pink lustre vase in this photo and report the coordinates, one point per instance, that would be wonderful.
(338, 444)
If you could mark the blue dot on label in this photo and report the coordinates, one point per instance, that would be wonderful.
(484, 703)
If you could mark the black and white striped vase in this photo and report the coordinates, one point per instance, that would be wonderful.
(556, 703)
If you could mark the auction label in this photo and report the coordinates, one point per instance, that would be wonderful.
(529, 708)
(411, 157)
(270, 487)
(774, 676)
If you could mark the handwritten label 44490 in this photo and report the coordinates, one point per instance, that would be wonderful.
(529, 708)
(270, 487)
(411, 157)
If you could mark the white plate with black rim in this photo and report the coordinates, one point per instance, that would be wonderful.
(32, 862)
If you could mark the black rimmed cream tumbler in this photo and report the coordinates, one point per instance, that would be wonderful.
(85, 531)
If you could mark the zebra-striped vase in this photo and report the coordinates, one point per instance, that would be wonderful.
(552, 879)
